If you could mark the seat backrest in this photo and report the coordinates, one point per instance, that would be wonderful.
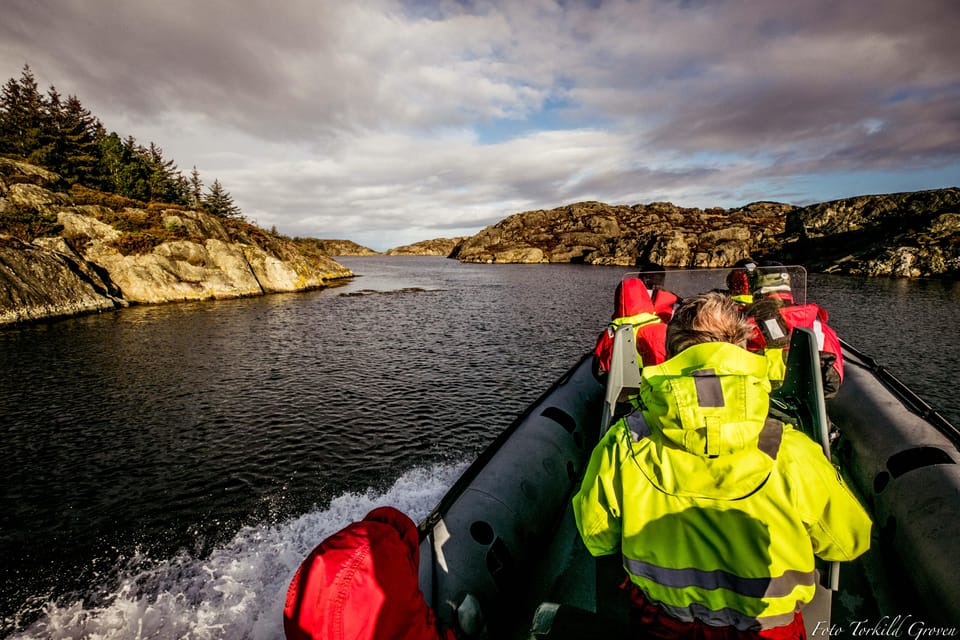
(623, 379)
(801, 397)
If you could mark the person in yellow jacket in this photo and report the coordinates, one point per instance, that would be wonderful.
(717, 510)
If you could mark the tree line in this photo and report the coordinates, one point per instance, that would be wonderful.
(63, 136)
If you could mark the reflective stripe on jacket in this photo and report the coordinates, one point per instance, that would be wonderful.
(717, 510)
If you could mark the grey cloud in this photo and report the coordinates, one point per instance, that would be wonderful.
(339, 115)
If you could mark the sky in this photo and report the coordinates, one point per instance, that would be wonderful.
(387, 122)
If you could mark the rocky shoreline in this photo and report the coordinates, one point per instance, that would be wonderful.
(94, 257)
(84, 251)
(915, 235)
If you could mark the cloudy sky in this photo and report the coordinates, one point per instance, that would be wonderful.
(391, 121)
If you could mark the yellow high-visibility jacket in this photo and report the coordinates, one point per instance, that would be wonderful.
(717, 510)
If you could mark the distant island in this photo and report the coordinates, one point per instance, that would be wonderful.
(339, 247)
(434, 247)
(912, 235)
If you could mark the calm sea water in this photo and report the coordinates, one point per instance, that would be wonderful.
(168, 467)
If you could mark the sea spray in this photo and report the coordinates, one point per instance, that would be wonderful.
(238, 590)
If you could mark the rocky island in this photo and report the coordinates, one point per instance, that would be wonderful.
(71, 251)
(435, 247)
(915, 234)
(339, 247)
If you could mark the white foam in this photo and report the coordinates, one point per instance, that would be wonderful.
(239, 590)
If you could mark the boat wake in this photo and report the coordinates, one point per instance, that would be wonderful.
(238, 591)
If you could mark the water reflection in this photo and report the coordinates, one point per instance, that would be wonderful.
(160, 428)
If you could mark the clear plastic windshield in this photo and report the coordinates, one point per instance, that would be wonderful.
(745, 284)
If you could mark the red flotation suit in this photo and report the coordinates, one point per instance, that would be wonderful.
(633, 306)
(361, 583)
(774, 324)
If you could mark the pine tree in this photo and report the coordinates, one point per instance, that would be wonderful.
(49, 151)
(123, 167)
(163, 176)
(80, 132)
(195, 189)
(68, 139)
(21, 115)
(65, 137)
(219, 202)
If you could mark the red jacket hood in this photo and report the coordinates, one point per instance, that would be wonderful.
(631, 298)
(361, 583)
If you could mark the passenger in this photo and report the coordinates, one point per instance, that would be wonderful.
(362, 583)
(663, 301)
(738, 284)
(716, 509)
(776, 314)
(632, 306)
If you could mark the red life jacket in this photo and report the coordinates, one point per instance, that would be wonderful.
(772, 333)
(663, 304)
(633, 306)
(362, 583)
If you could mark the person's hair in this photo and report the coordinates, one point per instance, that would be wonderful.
(708, 317)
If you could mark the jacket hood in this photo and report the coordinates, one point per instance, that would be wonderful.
(361, 583)
(706, 410)
(631, 298)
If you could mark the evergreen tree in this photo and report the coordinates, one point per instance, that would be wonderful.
(183, 189)
(21, 115)
(195, 189)
(219, 202)
(79, 131)
(48, 149)
(123, 167)
(162, 182)
(69, 139)
(65, 137)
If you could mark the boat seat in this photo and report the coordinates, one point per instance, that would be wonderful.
(623, 379)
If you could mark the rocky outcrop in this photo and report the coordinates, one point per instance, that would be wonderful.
(906, 234)
(37, 282)
(915, 234)
(340, 247)
(602, 234)
(90, 257)
(435, 247)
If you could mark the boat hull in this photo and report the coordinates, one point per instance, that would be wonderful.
(488, 535)
(905, 470)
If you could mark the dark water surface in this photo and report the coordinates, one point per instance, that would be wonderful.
(167, 467)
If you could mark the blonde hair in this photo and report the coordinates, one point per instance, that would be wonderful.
(707, 317)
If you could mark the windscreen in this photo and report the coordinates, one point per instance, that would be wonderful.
(746, 284)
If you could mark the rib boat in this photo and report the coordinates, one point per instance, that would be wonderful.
(501, 552)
